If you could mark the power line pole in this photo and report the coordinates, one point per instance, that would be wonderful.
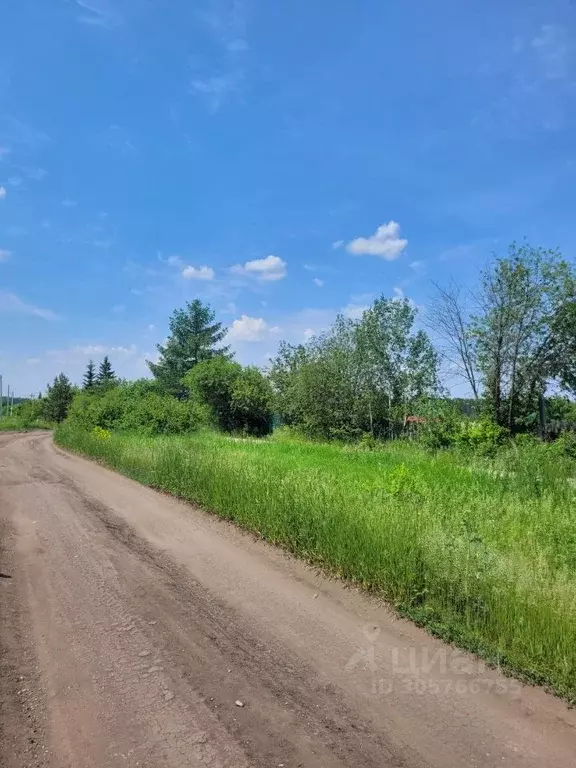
(8, 400)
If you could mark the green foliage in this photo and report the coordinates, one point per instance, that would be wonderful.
(283, 375)
(561, 408)
(90, 376)
(565, 445)
(443, 426)
(194, 337)
(58, 399)
(251, 402)
(360, 376)
(440, 420)
(106, 377)
(101, 434)
(134, 407)
(482, 550)
(525, 329)
(564, 328)
(481, 436)
(28, 414)
(239, 399)
(31, 413)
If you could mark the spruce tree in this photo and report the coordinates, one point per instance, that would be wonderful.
(90, 375)
(106, 376)
(194, 337)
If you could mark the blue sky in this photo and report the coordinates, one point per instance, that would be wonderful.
(283, 161)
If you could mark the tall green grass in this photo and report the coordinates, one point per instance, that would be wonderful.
(482, 552)
(17, 424)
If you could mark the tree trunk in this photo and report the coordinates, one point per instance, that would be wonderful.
(542, 416)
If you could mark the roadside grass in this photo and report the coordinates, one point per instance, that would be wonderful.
(16, 424)
(482, 552)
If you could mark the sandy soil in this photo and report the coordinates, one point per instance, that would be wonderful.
(132, 625)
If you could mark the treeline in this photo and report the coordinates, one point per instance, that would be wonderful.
(196, 383)
(361, 377)
(512, 339)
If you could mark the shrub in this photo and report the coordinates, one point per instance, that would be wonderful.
(239, 399)
(483, 436)
(30, 413)
(135, 407)
(565, 445)
(252, 402)
(101, 434)
(444, 427)
(440, 423)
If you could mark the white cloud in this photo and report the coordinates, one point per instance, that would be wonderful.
(249, 329)
(554, 48)
(355, 311)
(99, 13)
(337, 244)
(92, 350)
(151, 327)
(226, 79)
(418, 267)
(198, 273)
(35, 173)
(358, 304)
(9, 302)
(292, 328)
(228, 24)
(268, 269)
(307, 333)
(3, 193)
(14, 131)
(67, 203)
(218, 89)
(385, 243)
(317, 281)
(399, 295)
(31, 373)
(4, 254)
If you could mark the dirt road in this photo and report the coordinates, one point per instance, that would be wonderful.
(132, 625)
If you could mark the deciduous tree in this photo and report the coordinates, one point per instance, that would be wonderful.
(523, 328)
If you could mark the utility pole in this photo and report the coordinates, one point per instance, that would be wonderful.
(0, 395)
